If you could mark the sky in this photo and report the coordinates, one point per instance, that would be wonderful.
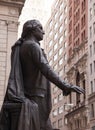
(46, 5)
(27, 12)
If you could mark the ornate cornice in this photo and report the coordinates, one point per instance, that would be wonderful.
(77, 49)
(14, 3)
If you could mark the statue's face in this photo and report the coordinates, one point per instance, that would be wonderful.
(33, 27)
(39, 32)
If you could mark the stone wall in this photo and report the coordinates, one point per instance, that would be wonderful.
(9, 14)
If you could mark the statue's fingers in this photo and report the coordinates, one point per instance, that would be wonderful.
(77, 90)
(81, 90)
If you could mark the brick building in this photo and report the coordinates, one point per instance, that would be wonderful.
(71, 63)
(78, 116)
(9, 14)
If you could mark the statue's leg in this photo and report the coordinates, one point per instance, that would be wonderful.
(43, 111)
(15, 113)
(48, 125)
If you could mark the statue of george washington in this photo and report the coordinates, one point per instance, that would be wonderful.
(27, 102)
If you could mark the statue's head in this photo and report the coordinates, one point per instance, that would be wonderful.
(33, 27)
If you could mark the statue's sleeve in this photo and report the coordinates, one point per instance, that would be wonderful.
(41, 62)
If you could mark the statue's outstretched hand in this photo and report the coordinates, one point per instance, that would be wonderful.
(68, 88)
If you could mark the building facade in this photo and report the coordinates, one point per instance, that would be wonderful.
(91, 61)
(56, 47)
(72, 40)
(9, 14)
(78, 116)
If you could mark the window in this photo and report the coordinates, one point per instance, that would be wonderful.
(70, 12)
(64, 68)
(55, 112)
(94, 27)
(94, 84)
(94, 47)
(55, 57)
(55, 88)
(78, 84)
(55, 67)
(84, 96)
(60, 97)
(56, 3)
(61, 72)
(60, 123)
(65, 33)
(60, 109)
(50, 43)
(90, 32)
(92, 110)
(61, 39)
(65, 21)
(70, 52)
(94, 8)
(55, 100)
(56, 25)
(61, 28)
(70, 1)
(56, 15)
(60, 51)
(93, 128)
(91, 86)
(60, 61)
(90, 50)
(50, 34)
(83, 5)
(90, 13)
(94, 65)
(55, 46)
(70, 98)
(50, 63)
(50, 24)
(61, 6)
(83, 21)
(50, 53)
(70, 39)
(65, 9)
(65, 56)
(61, 17)
(70, 26)
(91, 68)
(54, 124)
(55, 37)
(84, 121)
(65, 44)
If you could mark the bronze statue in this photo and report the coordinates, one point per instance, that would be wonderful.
(27, 103)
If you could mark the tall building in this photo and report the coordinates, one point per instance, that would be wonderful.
(56, 47)
(91, 61)
(69, 43)
(78, 116)
(9, 14)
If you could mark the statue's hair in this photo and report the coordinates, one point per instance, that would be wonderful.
(28, 27)
(27, 30)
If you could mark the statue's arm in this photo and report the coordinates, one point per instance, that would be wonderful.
(48, 72)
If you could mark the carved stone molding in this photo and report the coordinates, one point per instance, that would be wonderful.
(15, 3)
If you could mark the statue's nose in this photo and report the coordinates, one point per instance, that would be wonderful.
(43, 32)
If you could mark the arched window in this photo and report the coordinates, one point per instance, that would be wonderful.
(78, 84)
